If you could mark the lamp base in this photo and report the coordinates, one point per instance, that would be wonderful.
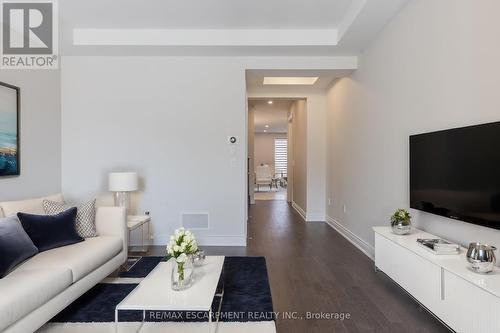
(122, 199)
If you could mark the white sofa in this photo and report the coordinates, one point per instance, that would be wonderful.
(45, 284)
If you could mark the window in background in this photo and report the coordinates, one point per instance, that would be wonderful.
(280, 157)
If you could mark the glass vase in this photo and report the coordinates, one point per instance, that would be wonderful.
(401, 227)
(182, 274)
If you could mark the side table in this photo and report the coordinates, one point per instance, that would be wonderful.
(133, 223)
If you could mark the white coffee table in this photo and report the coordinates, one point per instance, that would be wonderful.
(155, 292)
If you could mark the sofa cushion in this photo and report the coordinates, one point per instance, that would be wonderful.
(31, 206)
(85, 215)
(51, 231)
(15, 245)
(81, 258)
(23, 291)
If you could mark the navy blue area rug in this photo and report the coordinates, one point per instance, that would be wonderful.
(247, 296)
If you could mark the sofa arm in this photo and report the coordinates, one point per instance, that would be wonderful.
(112, 221)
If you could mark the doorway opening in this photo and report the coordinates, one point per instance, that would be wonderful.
(270, 149)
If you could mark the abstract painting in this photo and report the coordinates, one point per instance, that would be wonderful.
(9, 130)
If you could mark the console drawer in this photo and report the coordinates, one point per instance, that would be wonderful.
(420, 277)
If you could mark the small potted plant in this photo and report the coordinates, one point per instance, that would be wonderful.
(401, 222)
(181, 247)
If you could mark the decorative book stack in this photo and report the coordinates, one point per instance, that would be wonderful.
(439, 246)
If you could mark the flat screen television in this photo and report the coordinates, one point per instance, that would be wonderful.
(456, 173)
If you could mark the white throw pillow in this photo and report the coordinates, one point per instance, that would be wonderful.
(85, 216)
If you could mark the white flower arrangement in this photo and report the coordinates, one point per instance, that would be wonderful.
(182, 244)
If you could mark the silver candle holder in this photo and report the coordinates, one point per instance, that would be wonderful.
(199, 258)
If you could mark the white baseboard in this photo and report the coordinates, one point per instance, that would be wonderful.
(299, 210)
(222, 241)
(308, 217)
(355, 240)
(315, 218)
(208, 240)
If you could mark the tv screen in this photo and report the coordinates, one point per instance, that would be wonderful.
(456, 173)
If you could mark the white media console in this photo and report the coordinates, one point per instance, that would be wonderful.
(466, 301)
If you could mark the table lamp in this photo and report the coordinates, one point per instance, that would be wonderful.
(122, 183)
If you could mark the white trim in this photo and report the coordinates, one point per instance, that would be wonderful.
(229, 240)
(205, 37)
(222, 241)
(299, 210)
(315, 218)
(308, 217)
(355, 240)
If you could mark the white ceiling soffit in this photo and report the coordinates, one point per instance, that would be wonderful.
(205, 37)
(264, 27)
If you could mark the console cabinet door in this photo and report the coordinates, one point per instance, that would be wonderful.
(468, 308)
(418, 276)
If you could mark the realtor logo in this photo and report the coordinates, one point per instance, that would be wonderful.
(29, 34)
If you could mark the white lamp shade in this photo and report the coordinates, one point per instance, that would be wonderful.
(123, 181)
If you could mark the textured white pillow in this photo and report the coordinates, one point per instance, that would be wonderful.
(85, 216)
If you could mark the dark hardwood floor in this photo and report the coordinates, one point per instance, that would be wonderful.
(314, 269)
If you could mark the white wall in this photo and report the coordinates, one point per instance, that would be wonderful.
(299, 162)
(169, 120)
(264, 147)
(251, 154)
(316, 156)
(40, 135)
(435, 66)
(290, 157)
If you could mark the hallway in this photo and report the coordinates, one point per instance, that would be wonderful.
(312, 268)
(270, 194)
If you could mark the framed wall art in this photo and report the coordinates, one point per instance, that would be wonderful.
(9, 130)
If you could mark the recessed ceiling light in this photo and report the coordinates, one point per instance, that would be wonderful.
(265, 131)
(267, 126)
(290, 80)
(269, 102)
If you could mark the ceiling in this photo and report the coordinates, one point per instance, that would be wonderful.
(206, 14)
(274, 115)
(221, 27)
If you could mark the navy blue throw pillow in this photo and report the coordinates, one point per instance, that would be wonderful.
(51, 231)
(15, 245)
